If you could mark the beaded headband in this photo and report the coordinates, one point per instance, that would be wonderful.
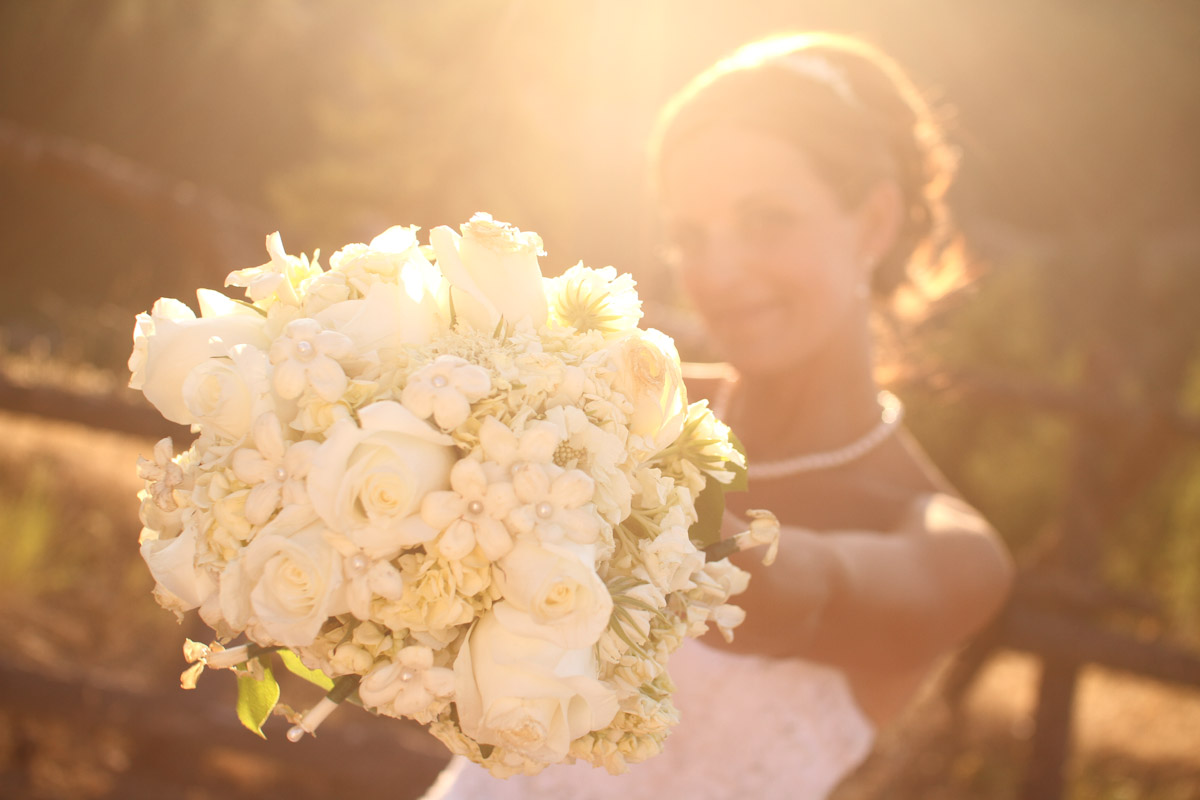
(801, 61)
(821, 70)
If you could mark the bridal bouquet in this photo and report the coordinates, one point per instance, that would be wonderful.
(442, 487)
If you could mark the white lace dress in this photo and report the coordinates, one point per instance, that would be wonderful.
(750, 727)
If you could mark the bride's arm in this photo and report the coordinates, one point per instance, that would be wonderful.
(870, 601)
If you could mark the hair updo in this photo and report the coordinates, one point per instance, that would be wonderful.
(853, 113)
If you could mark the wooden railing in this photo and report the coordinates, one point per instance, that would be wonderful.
(183, 744)
(1059, 605)
(1057, 611)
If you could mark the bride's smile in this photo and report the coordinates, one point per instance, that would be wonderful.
(764, 248)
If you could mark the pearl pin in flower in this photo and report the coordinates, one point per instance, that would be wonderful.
(357, 564)
(444, 389)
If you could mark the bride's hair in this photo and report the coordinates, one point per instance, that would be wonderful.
(857, 117)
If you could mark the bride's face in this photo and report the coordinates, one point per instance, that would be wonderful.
(766, 251)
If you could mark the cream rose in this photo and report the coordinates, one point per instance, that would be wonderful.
(393, 257)
(493, 273)
(226, 395)
(385, 319)
(552, 593)
(367, 482)
(528, 695)
(170, 553)
(286, 583)
(170, 341)
(648, 374)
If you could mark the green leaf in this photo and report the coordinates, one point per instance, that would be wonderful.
(256, 698)
(294, 666)
(250, 306)
(622, 584)
(620, 619)
(633, 602)
(710, 508)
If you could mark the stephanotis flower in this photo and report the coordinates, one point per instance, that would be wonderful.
(555, 504)
(308, 355)
(501, 445)
(274, 469)
(212, 656)
(472, 513)
(163, 473)
(585, 446)
(670, 559)
(279, 278)
(445, 390)
(366, 577)
(408, 686)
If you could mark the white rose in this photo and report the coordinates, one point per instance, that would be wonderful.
(647, 370)
(225, 395)
(393, 256)
(387, 318)
(171, 556)
(286, 583)
(493, 273)
(382, 260)
(368, 482)
(528, 695)
(553, 593)
(170, 341)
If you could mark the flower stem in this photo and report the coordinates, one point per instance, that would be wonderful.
(343, 687)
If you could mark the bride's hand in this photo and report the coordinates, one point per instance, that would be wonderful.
(804, 573)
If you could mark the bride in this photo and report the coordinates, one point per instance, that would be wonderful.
(799, 181)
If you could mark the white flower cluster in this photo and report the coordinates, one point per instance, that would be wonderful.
(430, 468)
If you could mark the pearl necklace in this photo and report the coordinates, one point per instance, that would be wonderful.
(891, 412)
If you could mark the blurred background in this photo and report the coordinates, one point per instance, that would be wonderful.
(148, 146)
